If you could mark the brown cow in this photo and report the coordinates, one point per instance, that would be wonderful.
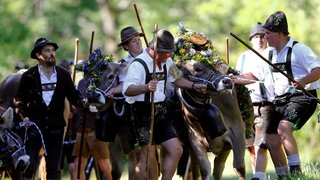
(213, 122)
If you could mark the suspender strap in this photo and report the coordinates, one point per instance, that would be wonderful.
(263, 91)
(149, 77)
(288, 61)
(270, 67)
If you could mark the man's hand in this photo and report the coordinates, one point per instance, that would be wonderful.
(93, 109)
(110, 93)
(298, 84)
(199, 87)
(152, 86)
(26, 121)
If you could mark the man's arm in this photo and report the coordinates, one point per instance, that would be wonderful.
(314, 75)
(244, 79)
(184, 83)
(134, 90)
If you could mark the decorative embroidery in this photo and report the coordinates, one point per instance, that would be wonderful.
(276, 19)
(281, 66)
(160, 76)
(48, 86)
(293, 114)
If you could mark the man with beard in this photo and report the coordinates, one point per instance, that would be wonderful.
(40, 103)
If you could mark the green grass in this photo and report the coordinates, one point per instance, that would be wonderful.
(310, 170)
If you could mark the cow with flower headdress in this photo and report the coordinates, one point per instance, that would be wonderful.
(101, 76)
(213, 120)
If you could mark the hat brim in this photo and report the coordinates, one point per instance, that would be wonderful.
(166, 50)
(130, 37)
(36, 49)
(162, 50)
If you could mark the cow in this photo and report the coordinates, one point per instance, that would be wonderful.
(115, 105)
(213, 121)
(13, 158)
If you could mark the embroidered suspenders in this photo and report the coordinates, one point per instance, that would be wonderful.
(285, 66)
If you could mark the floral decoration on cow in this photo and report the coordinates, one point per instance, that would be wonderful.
(194, 45)
(93, 71)
(197, 46)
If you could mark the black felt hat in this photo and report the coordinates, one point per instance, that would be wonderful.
(165, 42)
(39, 44)
(127, 34)
(257, 29)
(277, 22)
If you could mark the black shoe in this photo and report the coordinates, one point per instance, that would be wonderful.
(296, 169)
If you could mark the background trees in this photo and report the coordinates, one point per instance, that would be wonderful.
(23, 21)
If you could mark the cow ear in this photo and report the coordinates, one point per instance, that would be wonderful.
(123, 67)
(7, 117)
(175, 71)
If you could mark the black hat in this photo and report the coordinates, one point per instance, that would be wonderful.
(165, 42)
(39, 44)
(128, 33)
(277, 22)
(257, 29)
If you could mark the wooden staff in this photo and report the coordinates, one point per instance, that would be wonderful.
(155, 43)
(227, 51)
(272, 65)
(84, 119)
(76, 53)
(76, 48)
(140, 24)
(91, 42)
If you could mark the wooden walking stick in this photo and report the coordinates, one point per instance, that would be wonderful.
(76, 53)
(227, 51)
(140, 24)
(91, 42)
(73, 80)
(84, 119)
(76, 48)
(155, 42)
(273, 66)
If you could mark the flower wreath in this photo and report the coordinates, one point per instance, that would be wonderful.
(196, 46)
(93, 71)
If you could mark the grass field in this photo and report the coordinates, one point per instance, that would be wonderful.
(228, 173)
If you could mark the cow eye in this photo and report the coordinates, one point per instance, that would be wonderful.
(111, 77)
(198, 69)
(4, 138)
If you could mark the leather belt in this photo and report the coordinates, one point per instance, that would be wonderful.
(85, 130)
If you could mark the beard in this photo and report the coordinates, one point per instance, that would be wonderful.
(50, 62)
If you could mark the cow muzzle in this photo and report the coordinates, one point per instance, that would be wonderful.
(22, 163)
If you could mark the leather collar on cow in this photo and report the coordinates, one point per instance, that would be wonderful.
(190, 101)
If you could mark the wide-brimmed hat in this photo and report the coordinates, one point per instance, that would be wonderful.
(39, 44)
(257, 29)
(127, 34)
(165, 42)
(277, 22)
